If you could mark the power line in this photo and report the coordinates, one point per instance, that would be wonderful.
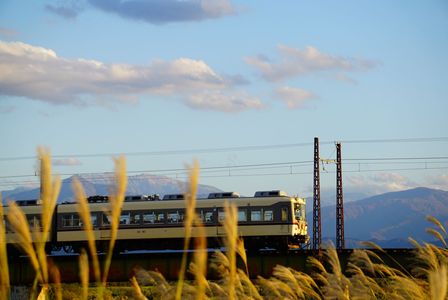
(232, 149)
(374, 160)
(182, 173)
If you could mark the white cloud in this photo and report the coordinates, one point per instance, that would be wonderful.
(294, 97)
(38, 73)
(297, 62)
(380, 183)
(438, 181)
(66, 162)
(222, 102)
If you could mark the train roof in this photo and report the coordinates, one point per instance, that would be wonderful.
(179, 203)
(171, 201)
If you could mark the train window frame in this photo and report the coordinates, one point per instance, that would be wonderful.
(125, 218)
(153, 217)
(105, 219)
(268, 212)
(207, 216)
(34, 221)
(136, 218)
(70, 221)
(256, 215)
(94, 218)
(242, 215)
(174, 217)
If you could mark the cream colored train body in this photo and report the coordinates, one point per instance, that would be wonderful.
(269, 219)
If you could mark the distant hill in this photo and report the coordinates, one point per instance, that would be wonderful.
(388, 219)
(99, 184)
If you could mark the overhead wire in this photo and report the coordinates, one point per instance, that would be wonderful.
(230, 149)
(426, 163)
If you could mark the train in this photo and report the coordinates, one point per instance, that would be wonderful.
(268, 220)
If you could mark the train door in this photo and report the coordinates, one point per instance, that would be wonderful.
(284, 219)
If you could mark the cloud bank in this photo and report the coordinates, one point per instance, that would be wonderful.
(166, 11)
(392, 182)
(297, 62)
(294, 98)
(38, 73)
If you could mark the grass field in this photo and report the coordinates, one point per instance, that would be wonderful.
(366, 275)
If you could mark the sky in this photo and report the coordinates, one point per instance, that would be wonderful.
(243, 87)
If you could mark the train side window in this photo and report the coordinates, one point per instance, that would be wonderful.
(255, 215)
(125, 219)
(149, 218)
(268, 215)
(71, 220)
(135, 218)
(34, 222)
(94, 220)
(284, 214)
(67, 220)
(106, 220)
(206, 216)
(242, 215)
(221, 216)
(175, 217)
(160, 218)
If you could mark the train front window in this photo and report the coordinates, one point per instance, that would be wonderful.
(299, 211)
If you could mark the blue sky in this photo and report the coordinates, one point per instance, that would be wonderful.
(91, 78)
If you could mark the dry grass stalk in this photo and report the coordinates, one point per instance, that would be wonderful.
(54, 270)
(49, 196)
(84, 213)
(199, 265)
(19, 224)
(230, 225)
(247, 287)
(4, 269)
(116, 200)
(138, 291)
(438, 281)
(190, 206)
(84, 274)
(268, 288)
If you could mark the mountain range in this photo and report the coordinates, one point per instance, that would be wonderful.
(388, 219)
(143, 184)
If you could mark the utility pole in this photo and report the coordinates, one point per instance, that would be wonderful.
(317, 238)
(340, 243)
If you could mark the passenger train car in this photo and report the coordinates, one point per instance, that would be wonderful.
(269, 219)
